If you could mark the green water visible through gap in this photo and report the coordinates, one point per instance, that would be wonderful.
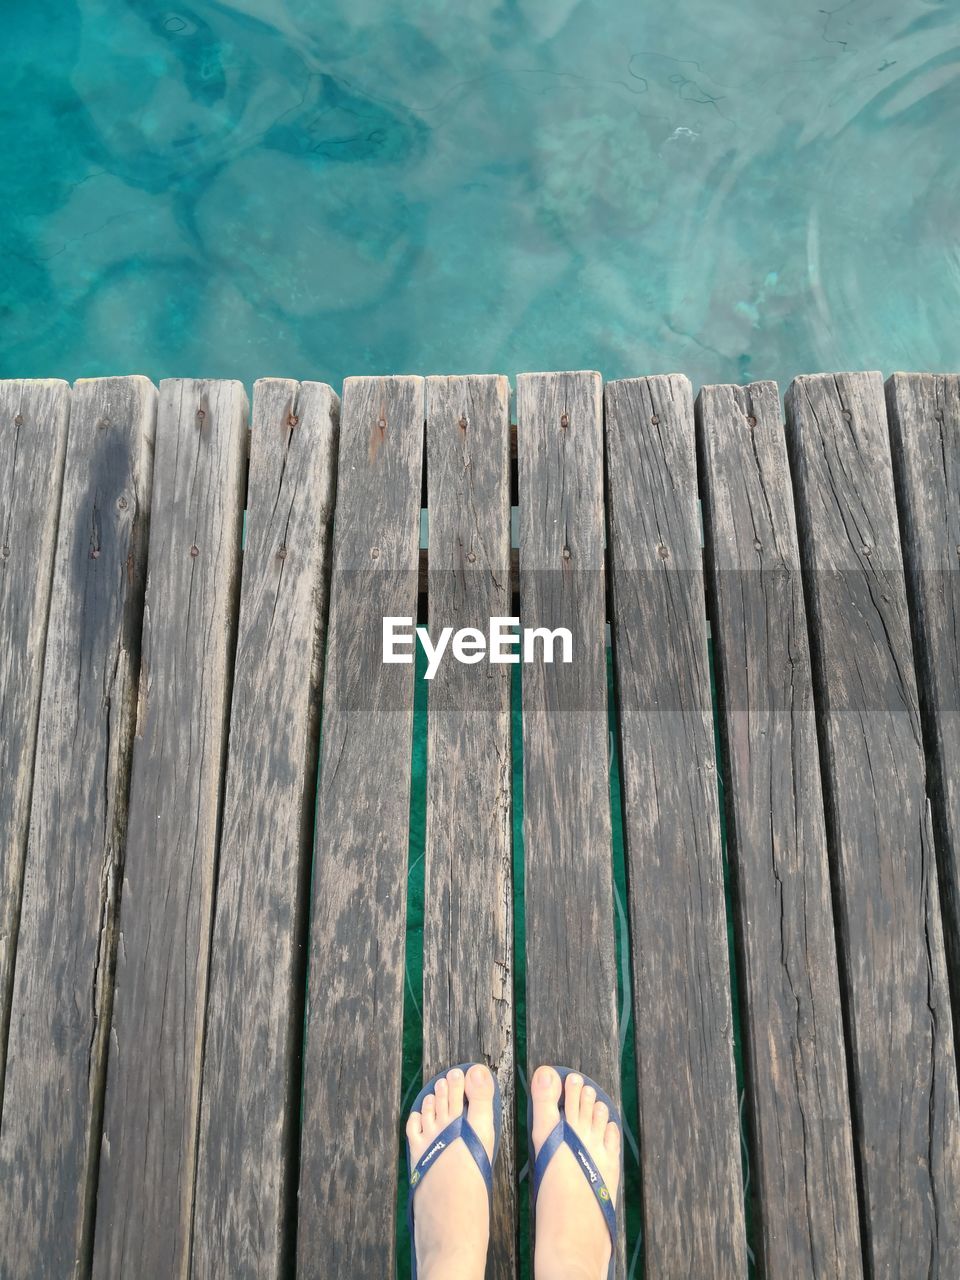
(413, 987)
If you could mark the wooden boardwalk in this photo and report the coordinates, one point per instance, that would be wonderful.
(206, 769)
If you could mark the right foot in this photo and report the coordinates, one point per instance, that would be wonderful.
(572, 1239)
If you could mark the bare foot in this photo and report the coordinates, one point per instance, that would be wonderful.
(451, 1212)
(572, 1239)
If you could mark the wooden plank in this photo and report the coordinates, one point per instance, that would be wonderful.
(802, 1149)
(63, 984)
(924, 414)
(250, 1107)
(690, 1139)
(148, 1155)
(351, 1098)
(568, 885)
(33, 431)
(468, 903)
(904, 1079)
(424, 574)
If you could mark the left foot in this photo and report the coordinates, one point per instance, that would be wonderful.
(451, 1215)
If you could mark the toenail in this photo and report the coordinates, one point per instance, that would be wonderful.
(575, 1079)
(456, 1074)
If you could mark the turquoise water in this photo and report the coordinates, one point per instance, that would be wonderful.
(314, 188)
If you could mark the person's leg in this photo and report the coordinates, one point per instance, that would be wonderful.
(572, 1240)
(451, 1218)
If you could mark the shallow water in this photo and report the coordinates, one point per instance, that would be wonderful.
(734, 190)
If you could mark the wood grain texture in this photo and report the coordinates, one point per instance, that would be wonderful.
(904, 1078)
(34, 418)
(568, 885)
(924, 416)
(148, 1156)
(802, 1149)
(351, 1096)
(250, 1104)
(690, 1137)
(468, 897)
(63, 984)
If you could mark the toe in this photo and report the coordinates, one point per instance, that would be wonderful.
(428, 1109)
(479, 1089)
(588, 1099)
(414, 1126)
(601, 1114)
(443, 1102)
(573, 1087)
(479, 1084)
(545, 1090)
(455, 1092)
(611, 1139)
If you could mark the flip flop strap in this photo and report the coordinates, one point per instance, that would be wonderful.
(563, 1133)
(461, 1128)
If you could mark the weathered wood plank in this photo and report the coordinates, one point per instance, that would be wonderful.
(250, 1105)
(148, 1156)
(63, 983)
(349, 1141)
(468, 903)
(690, 1140)
(802, 1152)
(924, 414)
(568, 885)
(904, 1079)
(34, 417)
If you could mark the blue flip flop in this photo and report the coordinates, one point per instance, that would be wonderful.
(457, 1128)
(563, 1133)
